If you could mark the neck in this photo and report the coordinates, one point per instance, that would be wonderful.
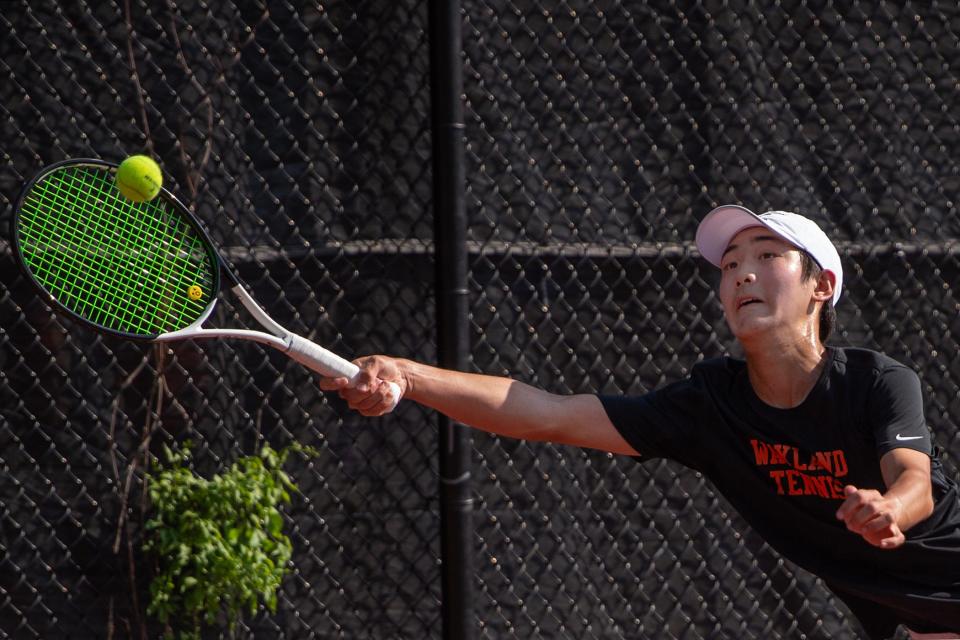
(783, 370)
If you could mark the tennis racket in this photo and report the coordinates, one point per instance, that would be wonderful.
(138, 270)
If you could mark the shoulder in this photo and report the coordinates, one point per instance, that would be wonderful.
(885, 382)
(854, 360)
(685, 395)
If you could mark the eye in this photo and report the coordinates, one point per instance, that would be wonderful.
(730, 265)
(767, 255)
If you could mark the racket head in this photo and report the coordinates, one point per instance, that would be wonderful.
(131, 269)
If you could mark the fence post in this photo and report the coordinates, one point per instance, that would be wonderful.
(450, 234)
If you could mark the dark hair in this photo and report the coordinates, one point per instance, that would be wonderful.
(828, 315)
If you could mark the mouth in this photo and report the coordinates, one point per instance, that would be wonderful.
(746, 301)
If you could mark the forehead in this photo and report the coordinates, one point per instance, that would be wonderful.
(752, 235)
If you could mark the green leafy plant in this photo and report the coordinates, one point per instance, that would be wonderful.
(219, 542)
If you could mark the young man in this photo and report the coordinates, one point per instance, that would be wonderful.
(823, 450)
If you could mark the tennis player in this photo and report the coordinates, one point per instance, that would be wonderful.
(823, 450)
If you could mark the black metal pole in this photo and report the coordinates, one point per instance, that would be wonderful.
(450, 235)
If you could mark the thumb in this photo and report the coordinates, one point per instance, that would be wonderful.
(847, 506)
(367, 377)
(367, 374)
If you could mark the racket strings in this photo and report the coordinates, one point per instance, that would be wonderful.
(122, 265)
(144, 243)
(71, 250)
(91, 291)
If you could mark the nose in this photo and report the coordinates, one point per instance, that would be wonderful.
(743, 278)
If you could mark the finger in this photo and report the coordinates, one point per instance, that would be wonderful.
(367, 407)
(386, 400)
(387, 396)
(881, 520)
(854, 526)
(866, 513)
(850, 504)
(369, 402)
(878, 524)
(369, 368)
(353, 395)
(392, 394)
(362, 407)
(860, 506)
(378, 410)
(333, 384)
(893, 541)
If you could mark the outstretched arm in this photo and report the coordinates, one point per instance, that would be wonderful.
(493, 404)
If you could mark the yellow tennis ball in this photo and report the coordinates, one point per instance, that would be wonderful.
(139, 178)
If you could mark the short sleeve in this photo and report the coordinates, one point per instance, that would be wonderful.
(662, 423)
(895, 412)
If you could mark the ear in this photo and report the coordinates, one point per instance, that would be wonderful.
(825, 286)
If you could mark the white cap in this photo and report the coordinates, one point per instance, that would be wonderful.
(719, 227)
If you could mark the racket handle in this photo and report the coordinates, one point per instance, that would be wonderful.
(329, 364)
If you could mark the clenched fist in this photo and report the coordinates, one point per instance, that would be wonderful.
(871, 515)
(370, 394)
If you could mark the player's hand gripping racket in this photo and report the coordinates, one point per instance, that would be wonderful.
(138, 270)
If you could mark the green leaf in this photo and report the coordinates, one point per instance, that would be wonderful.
(218, 542)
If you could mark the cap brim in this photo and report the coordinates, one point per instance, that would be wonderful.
(719, 227)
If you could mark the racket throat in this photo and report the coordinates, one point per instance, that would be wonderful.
(258, 313)
(304, 351)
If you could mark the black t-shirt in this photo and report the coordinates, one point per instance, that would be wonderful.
(784, 470)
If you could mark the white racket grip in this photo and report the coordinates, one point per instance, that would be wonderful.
(329, 364)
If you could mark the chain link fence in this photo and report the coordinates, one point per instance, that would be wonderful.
(598, 134)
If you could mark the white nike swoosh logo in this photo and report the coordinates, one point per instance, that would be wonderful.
(902, 438)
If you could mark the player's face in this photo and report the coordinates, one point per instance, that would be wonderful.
(761, 287)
